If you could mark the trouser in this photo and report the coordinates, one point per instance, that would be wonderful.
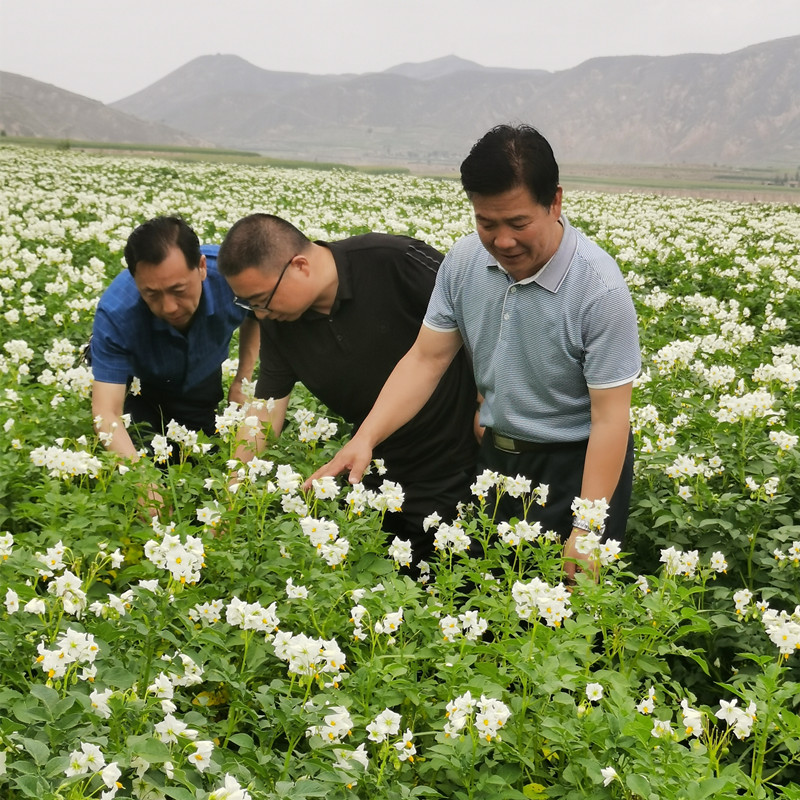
(153, 408)
(560, 466)
(422, 498)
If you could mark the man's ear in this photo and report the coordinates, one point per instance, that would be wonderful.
(302, 264)
(556, 205)
(202, 267)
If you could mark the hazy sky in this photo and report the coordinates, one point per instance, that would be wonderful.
(108, 49)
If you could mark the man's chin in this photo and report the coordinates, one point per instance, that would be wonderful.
(511, 261)
(180, 323)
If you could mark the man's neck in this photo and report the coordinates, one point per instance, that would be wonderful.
(328, 279)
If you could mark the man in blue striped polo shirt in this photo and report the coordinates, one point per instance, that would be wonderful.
(168, 321)
(551, 329)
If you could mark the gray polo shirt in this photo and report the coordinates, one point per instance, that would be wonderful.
(538, 345)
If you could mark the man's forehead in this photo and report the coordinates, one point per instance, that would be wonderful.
(252, 281)
(161, 285)
(511, 216)
(174, 259)
(172, 272)
(517, 203)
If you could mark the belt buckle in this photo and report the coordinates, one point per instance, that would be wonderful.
(504, 443)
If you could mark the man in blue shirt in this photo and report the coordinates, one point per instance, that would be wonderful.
(167, 322)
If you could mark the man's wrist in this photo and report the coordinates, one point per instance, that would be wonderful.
(584, 527)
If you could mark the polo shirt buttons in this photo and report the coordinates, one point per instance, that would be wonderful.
(505, 316)
(513, 290)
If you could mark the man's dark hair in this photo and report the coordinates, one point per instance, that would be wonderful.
(510, 156)
(151, 242)
(259, 240)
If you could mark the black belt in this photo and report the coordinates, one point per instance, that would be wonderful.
(508, 445)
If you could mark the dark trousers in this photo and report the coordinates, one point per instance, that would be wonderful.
(422, 498)
(561, 468)
(154, 407)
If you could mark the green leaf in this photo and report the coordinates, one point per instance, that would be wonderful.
(44, 693)
(721, 621)
(700, 661)
(56, 766)
(27, 712)
(179, 793)
(638, 784)
(39, 751)
(242, 740)
(119, 678)
(62, 706)
(7, 696)
(153, 751)
(534, 791)
(706, 788)
(31, 786)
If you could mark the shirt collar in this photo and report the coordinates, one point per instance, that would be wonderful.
(552, 274)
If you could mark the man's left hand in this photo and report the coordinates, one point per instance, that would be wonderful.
(573, 560)
(235, 393)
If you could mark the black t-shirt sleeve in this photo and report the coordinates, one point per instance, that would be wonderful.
(421, 263)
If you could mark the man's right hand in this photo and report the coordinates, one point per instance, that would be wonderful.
(355, 456)
(407, 389)
(151, 501)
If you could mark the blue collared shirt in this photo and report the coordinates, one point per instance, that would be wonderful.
(128, 340)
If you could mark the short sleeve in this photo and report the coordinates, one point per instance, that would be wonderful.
(612, 352)
(441, 315)
(111, 361)
(416, 279)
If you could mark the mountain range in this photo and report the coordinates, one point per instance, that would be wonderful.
(738, 109)
(35, 109)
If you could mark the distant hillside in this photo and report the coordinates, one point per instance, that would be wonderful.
(739, 108)
(437, 68)
(32, 108)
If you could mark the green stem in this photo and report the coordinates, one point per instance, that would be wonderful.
(471, 771)
(384, 756)
(287, 761)
(176, 509)
(760, 749)
(156, 624)
(753, 536)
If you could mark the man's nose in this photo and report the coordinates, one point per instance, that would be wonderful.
(505, 239)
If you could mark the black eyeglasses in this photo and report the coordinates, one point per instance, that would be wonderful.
(250, 307)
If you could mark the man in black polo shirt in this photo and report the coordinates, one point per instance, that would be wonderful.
(338, 316)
